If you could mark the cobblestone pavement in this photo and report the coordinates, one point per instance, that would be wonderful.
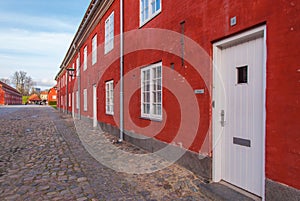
(43, 156)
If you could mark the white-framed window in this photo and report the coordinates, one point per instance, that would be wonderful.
(85, 100)
(54, 97)
(78, 66)
(94, 50)
(85, 58)
(109, 97)
(109, 34)
(148, 10)
(77, 100)
(151, 91)
(73, 67)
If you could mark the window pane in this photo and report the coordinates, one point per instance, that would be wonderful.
(159, 97)
(157, 5)
(159, 72)
(159, 109)
(159, 84)
(154, 97)
(154, 73)
(146, 9)
(147, 108)
(242, 74)
(154, 109)
(153, 6)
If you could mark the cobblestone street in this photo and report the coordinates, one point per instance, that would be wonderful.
(42, 157)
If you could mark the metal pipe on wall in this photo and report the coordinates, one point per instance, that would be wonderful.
(121, 73)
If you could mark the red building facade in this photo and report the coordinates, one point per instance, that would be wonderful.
(218, 79)
(9, 95)
(52, 95)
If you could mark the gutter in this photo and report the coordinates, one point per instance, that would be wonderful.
(121, 72)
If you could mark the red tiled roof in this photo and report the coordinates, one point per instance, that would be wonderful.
(34, 97)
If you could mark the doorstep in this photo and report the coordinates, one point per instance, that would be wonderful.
(222, 191)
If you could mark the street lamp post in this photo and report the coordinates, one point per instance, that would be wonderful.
(57, 95)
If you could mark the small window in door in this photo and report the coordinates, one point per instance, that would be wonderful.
(242, 75)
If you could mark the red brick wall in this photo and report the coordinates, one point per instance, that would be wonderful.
(206, 22)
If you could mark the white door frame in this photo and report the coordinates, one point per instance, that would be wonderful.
(95, 121)
(216, 126)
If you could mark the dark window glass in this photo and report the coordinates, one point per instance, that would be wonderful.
(242, 74)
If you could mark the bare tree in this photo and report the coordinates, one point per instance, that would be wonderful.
(28, 85)
(22, 82)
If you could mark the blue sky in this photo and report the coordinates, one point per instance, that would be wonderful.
(35, 36)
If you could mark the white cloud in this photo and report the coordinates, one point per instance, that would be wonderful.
(45, 83)
(33, 22)
(31, 42)
(37, 53)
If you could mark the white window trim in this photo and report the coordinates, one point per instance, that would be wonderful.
(73, 67)
(85, 58)
(151, 115)
(109, 33)
(109, 97)
(78, 66)
(85, 100)
(94, 49)
(70, 99)
(151, 15)
(77, 100)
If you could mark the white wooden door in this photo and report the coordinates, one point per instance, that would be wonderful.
(241, 113)
(95, 106)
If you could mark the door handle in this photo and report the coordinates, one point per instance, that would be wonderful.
(222, 118)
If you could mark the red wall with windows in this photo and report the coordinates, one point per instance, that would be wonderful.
(208, 21)
(205, 23)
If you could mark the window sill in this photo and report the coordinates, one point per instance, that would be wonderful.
(151, 119)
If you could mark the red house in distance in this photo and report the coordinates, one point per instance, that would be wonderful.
(52, 95)
(218, 79)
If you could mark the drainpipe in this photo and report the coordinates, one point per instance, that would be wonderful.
(67, 97)
(121, 73)
(79, 88)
